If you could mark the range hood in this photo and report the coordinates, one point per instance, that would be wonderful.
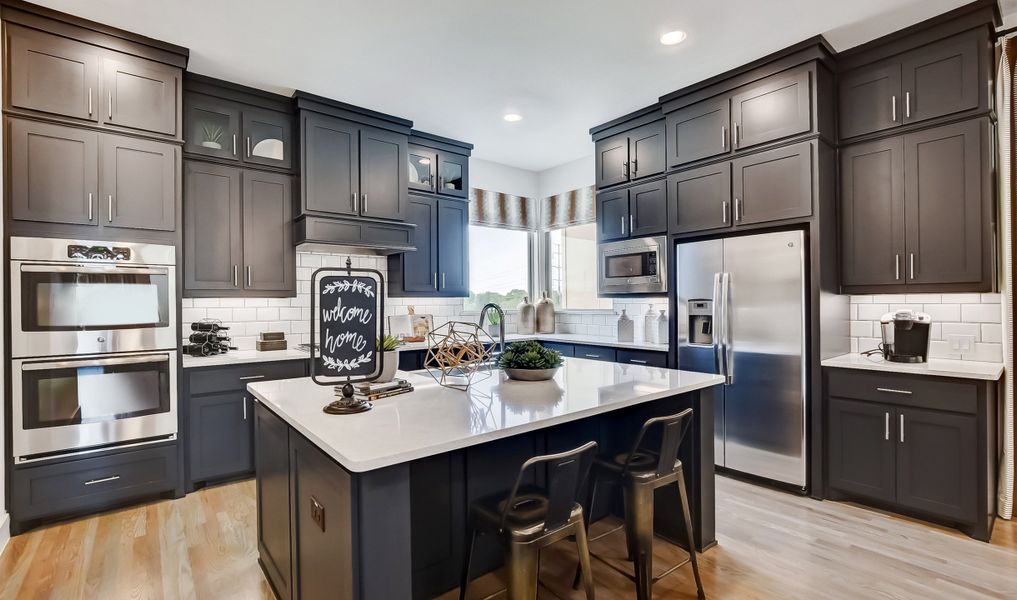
(352, 236)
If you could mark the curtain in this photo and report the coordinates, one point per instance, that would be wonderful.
(576, 207)
(1005, 97)
(496, 209)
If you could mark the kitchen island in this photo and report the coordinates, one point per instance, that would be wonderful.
(373, 505)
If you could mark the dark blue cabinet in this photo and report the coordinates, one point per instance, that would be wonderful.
(440, 264)
(453, 248)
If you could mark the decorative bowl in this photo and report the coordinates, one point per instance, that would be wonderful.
(531, 374)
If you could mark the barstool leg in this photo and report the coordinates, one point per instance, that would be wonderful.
(471, 540)
(630, 520)
(587, 520)
(642, 528)
(688, 529)
(582, 545)
(523, 565)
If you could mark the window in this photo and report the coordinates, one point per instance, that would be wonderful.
(500, 262)
(572, 268)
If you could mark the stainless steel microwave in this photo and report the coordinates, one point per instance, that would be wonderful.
(636, 266)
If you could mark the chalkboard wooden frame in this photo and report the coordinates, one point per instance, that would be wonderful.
(378, 355)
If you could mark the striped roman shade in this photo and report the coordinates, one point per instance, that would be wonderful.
(576, 207)
(496, 209)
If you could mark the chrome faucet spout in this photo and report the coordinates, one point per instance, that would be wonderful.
(501, 323)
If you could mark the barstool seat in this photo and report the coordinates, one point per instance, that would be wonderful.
(641, 465)
(524, 519)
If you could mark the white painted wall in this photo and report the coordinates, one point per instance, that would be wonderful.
(496, 177)
(567, 177)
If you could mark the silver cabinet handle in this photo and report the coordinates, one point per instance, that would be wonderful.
(251, 377)
(109, 207)
(236, 278)
(723, 211)
(902, 428)
(102, 480)
(907, 108)
(245, 407)
(911, 264)
(637, 361)
(737, 209)
(354, 202)
(443, 280)
(737, 133)
(635, 167)
(435, 280)
(632, 221)
(248, 146)
(894, 391)
(234, 144)
(896, 267)
(592, 355)
(109, 106)
(90, 102)
(623, 225)
(893, 108)
(89, 206)
(364, 198)
(723, 137)
(886, 430)
(249, 269)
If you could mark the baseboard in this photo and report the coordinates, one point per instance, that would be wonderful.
(5, 531)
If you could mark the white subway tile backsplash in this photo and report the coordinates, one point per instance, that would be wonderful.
(986, 352)
(924, 298)
(963, 298)
(861, 328)
(959, 329)
(944, 312)
(992, 298)
(268, 314)
(205, 302)
(890, 299)
(871, 312)
(992, 332)
(222, 314)
(981, 313)
(861, 299)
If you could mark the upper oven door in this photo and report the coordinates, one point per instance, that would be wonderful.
(633, 267)
(67, 308)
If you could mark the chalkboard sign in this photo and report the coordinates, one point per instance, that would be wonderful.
(347, 305)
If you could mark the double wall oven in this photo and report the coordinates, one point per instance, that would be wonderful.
(94, 345)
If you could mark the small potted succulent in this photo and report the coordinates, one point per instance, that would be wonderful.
(212, 136)
(529, 361)
(390, 346)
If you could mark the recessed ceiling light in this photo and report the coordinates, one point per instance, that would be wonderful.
(513, 117)
(672, 37)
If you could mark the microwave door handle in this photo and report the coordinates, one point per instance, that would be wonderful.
(101, 362)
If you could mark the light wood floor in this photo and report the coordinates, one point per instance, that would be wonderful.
(772, 545)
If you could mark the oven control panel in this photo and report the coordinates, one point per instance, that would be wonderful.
(79, 252)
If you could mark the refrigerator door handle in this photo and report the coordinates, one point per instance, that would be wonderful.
(715, 317)
(725, 293)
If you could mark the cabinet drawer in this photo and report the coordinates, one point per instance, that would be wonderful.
(595, 352)
(223, 379)
(920, 391)
(92, 483)
(563, 349)
(642, 357)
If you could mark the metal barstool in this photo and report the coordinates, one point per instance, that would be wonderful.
(530, 518)
(640, 472)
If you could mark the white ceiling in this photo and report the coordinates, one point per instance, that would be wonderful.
(455, 66)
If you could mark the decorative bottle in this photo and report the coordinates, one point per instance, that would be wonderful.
(663, 327)
(649, 325)
(527, 317)
(545, 314)
(626, 328)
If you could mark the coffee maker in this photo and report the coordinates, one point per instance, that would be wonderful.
(906, 336)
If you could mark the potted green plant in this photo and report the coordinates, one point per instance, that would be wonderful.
(390, 346)
(211, 135)
(529, 361)
(493, 320)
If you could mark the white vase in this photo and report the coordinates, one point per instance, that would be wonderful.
(527, 324)
(390, 367)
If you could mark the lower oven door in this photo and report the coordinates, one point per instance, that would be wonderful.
(84, 403)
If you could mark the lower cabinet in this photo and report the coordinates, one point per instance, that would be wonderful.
(594, 352)
(272, 436)
(919, 445)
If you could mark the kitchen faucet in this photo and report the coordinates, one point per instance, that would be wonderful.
(501, 322)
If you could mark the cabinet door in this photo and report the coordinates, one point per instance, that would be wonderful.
(647, 150)
(269, 256)
(53, 173)
(698, 131)
(937, 463)
(268, 138)
(453, 242)
(271, 451)
(700, 199)
(648, 208)
(453, 174)
(941, 78)
(861, 448)
(612, 158)
(383, 177)
(139, 183)
(421, 166)
(330, 172)
(775, 108)
(944, 207)
(220, 435)
(612, 215)
(52, 74)
(213, 251)
(140, 94)
(773, 185)
(420, 268)
(871, 99)
(872, 212)
(211, 127)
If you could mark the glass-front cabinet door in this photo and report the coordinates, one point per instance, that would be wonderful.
(452, 175)
(211, 127)
(422, 164)
(268, 138)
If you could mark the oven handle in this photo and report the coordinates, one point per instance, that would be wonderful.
(95, 269)
(101, 362)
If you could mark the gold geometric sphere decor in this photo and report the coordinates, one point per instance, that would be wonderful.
(456, 352)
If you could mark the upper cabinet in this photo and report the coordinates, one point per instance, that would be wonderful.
(68, 79)
(631, 155)
(946, 77)
(225, 121)
(438, 165)
(698, 131)
(632, 211)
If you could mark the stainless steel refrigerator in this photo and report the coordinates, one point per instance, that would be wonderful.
(741, 314)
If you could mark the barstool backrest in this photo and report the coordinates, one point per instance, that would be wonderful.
(566, 476)
(673, 429)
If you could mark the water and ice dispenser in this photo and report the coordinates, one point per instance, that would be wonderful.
(700, 322)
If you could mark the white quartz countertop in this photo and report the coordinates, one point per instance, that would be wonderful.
(433, 419)
(565, 338)
(237, 357)
(937, 367)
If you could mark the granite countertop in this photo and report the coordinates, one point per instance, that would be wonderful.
(433, 419)
(936, 367)
(236, 357)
